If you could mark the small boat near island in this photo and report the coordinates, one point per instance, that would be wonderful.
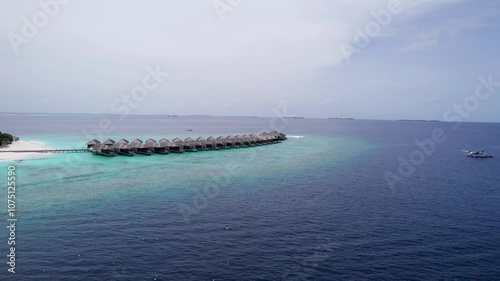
(477, 154)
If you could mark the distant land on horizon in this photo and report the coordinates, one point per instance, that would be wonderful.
(341, 118)
(417, 120)
(235, 116)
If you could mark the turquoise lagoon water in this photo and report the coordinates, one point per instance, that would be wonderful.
(63, 178)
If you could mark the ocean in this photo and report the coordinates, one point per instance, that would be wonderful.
(338, 200)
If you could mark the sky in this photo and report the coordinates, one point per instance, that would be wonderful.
(377, 59)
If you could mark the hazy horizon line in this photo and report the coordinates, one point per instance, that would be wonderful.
(246, 116)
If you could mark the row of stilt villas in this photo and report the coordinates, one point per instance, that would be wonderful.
(164, 146)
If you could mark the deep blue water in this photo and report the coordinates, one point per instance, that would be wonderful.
(311, 208)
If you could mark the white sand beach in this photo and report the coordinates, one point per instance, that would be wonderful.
(22, 145)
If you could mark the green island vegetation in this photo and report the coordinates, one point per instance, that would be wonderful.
(6, 139)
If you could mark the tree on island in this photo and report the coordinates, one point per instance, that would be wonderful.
(6, 139)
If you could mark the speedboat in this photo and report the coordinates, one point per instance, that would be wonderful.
(477, 154)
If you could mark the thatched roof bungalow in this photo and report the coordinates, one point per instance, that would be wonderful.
(238, 141)
(267, 138)
(137, 146)
(160, 147)
(253, 139)
(216, 143)
(230, 143)
(225, 143)
(279, 136)
(276, 136)
(202, 144)
(210, 143)
(177, 146)
(190, 145)
(246, 140)
(102, 149)
(258, 139)
(122, 149)
(93, 142)
(151, 144)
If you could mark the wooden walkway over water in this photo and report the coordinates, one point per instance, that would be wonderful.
(49, 150)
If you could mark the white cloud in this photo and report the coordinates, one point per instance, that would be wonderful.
(263, 52)
(440, 30)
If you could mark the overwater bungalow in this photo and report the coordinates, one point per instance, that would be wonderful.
(190, 145)
(274, 138)
(93, 142)
(279, 136)
(202, 144)
(230, 143)
(157, 147)
(259, 140)
(210, 143)
(238, 141)
(246, 141)
(162, 147)
(102, 149)
(253, 140)
(150, 144)
(137, 146)
(216, 143)
(173, 147)
(122, 149)
(270, 138)
(267, 138)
